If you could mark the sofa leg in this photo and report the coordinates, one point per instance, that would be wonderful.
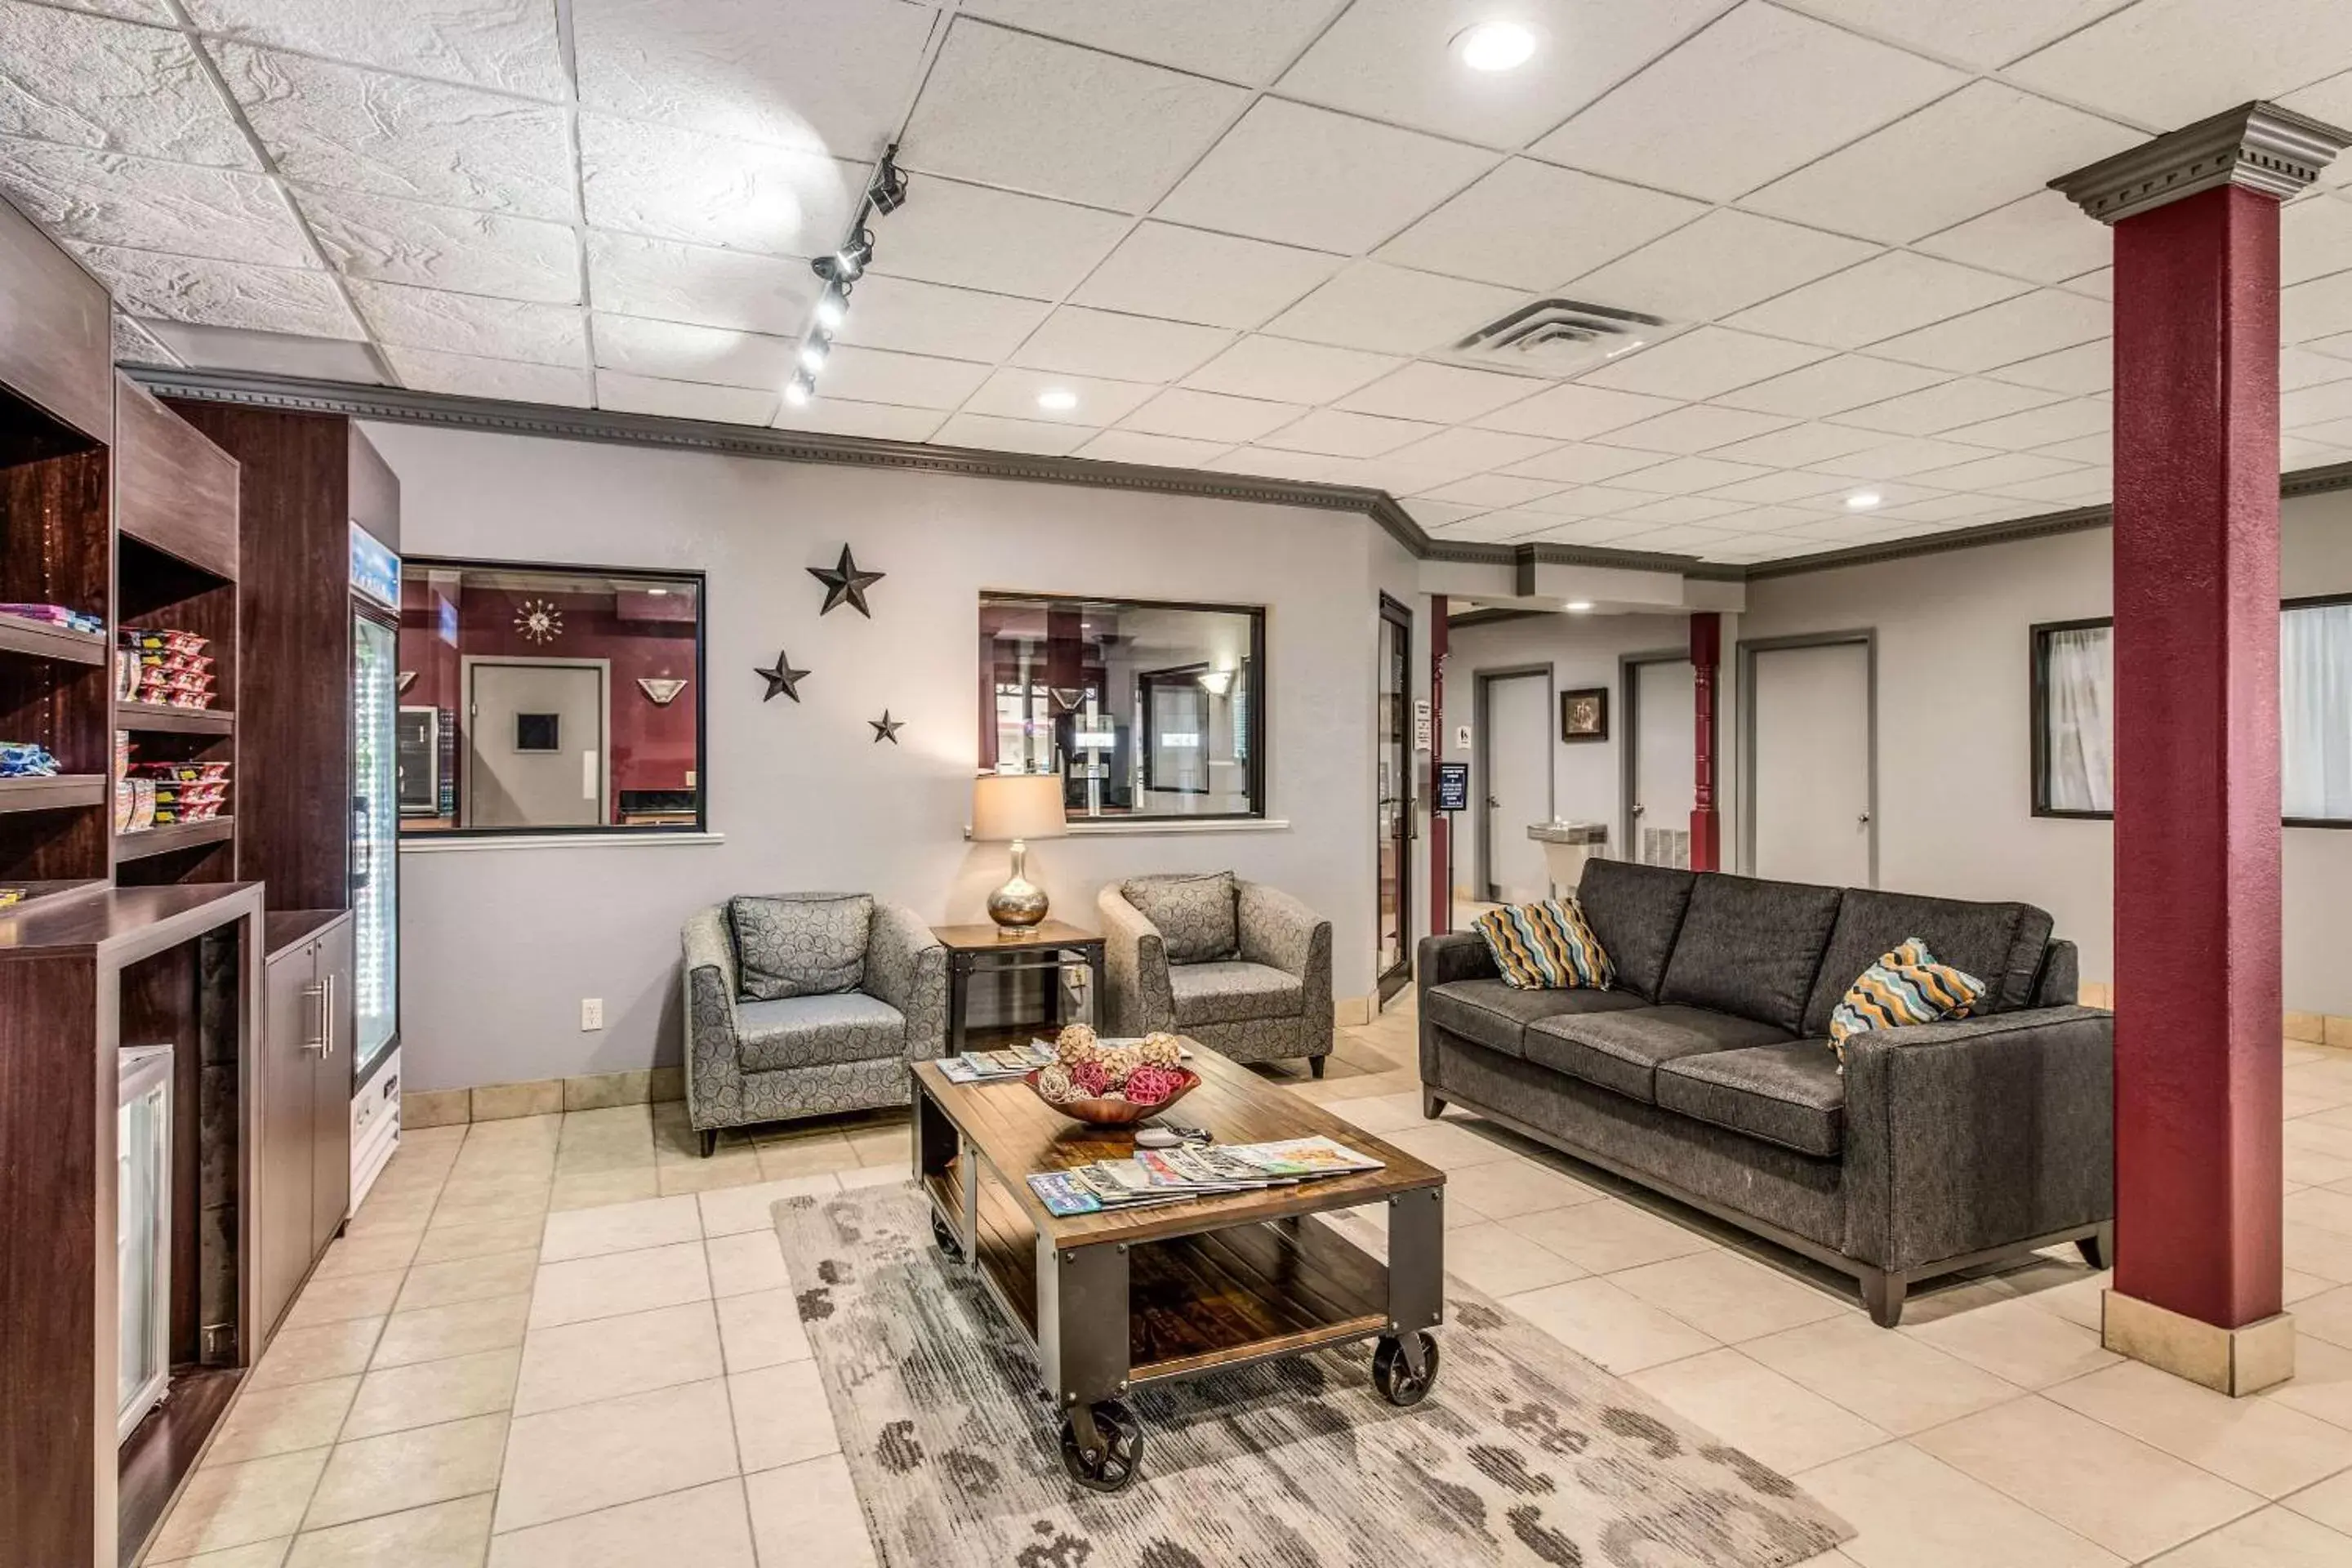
(2099, 1250)
(709, 1142)
(1433, 1104)
(1314, 1066)
(1883, 1293)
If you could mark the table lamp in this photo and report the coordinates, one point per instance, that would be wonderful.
(1017, 806)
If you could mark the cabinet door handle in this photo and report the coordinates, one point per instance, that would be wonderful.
(316, 992)
(328, 1032)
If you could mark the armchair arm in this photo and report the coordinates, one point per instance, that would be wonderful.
(907, 966)
(1283, 933)
(714, 1075)
(1135, 968)
(1969, 1135)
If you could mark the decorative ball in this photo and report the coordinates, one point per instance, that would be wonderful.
(1076, 1044)
(1160, 1049)
(1054, 1083)
(1089, 1080)
(1149, 1085)
(1121, 1060)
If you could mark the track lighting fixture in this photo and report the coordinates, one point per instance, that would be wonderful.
(833, 306)
(812, 352)
(885, 194)
(802, 388)
(888, 192)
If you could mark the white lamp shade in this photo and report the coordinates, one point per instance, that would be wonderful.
(1018, 805)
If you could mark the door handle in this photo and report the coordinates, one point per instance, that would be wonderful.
(1864, 819)
(315, 992)
(1640, 809)
(1493, 803)
(328, 1032)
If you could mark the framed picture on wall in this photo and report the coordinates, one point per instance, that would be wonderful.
(1584, 714)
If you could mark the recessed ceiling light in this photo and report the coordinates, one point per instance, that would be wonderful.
(659, 592)
(1058, 400)
(1578, 606)
(1862, 501)
(1494, 46)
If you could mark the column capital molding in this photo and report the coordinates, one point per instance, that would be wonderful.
(2256, 146)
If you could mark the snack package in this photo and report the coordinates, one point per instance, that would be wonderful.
(183, 773)
(27, 760)
(142, 804)
(125, 792)
(162, 640)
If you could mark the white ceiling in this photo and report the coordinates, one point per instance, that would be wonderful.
(1243, 232)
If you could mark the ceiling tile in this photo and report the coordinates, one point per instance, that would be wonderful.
(830, 416)
(975, 237)
(713, 190)
(107, 198)
(1586, 532)
(1694, 428)
(1399, 479)
(830, 74)
(1238, 40)
(918, 381)
(1944, 407)
(2164, 63)
(2089, 367)
(470, 324)
(1133, 348)
(2300, 451)
(2024, 327)
(1391, 310)
(1573, 412)
(1295, 175)
(434, 247)
(155, 11)
(1893, 292)
(1982, 33)
(2329, 102)
(1438, 513)
(1833, 385)
(2314, 237)
(673, 282)
(1681, 509)
(1492, 490)
(674, 351)
(223, 293)
(925, 318)
(1013, 394)
(508, 45)
(1028, 113)
(1209, 417)
(1191, 275)
(2299, 368)
(1939, 508)
(1688, 476)
(1447, 393)
(2098, 451)
(1902, 460)
(2083, 486)
(626, 394)
(1528, 225)
(2316, 405)
(1685, 540)
(1305, 466)
(269, 353)
(1991, 473)
(93, 82)
(2337, 347)
(2044, 238)
(135, 344)
(2099, 285)
(1394, 59)
(1702, 362)
(1492, 527)
(1473, 449)
(1725, 261)
(2320, 309)
(1336, 434)
(1594, 500)
(465, 375)
(1797, 446)
(1579, 465)
(1983, 147)
(2042, 427)
(338, 125)
(1291, 372)
(1160, 451)
(1775, 489)
(1754, 96)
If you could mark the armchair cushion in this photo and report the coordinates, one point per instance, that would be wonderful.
(1195, 915)
(818, 1031)
(1233, 991)
(800, 944)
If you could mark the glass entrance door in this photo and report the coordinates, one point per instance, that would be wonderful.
(1392, 793)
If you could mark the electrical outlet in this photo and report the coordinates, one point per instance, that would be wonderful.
(591, 1013)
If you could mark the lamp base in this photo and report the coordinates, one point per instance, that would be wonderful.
(1017, 906)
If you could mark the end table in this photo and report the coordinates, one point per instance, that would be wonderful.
(1048, 944)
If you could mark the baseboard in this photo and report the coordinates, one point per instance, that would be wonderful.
(2235, 1362)
(2310, 1028)
(1352, 1011)
(540, 1097)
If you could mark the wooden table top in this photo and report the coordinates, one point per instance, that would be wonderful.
(992, 937)
(1019, 1134)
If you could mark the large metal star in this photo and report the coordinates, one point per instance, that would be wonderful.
(783, 678)
(845, 584)
(886, 728)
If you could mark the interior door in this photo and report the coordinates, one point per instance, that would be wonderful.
(1665, 719)
(330, 1132)
(1393, 797)
(1811, 791)
(535, 745)
(1516, 742)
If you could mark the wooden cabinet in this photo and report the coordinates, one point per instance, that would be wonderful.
(306, 1099)
(56, 344)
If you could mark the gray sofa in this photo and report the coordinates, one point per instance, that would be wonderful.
(807, 1005)
(1241, 967)
(1706, 1074)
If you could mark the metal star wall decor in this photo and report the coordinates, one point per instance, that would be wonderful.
(886, 728)
(784, 677)
(539, 621)
(847, 585)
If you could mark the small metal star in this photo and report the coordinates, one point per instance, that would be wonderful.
(845, 584)
(886, 728)
(783, 678)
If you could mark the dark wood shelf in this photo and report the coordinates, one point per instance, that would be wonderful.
(41, 890)
(162, 1449)
(39, 639)
(164, 840)
(154, 716)
(55, 793)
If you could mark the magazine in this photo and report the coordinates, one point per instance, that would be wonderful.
(1062, 1193)
(1304, 1157)
(998, 1065)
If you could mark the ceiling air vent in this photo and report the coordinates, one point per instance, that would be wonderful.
(1560, 337)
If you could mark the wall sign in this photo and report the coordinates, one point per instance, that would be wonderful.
(375, 570)
(1420, 724)
(1453, 786)
(1462, 737)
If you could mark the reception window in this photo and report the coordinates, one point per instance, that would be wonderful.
(1146, 710)
(549, 700)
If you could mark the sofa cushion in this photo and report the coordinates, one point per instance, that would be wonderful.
(1634, 911)
(1195, 914)
(1622, 1050)
(1496, 1014)
(816, 1031)
(1544, 946)
(799, 944)
(1788, 1094)
(1752, 948)
(2001, 945)
(1233, 991)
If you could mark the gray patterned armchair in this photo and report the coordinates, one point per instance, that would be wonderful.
(1239, 966)
(806, 1004)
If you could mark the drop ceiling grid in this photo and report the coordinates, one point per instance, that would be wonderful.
(1407, 428)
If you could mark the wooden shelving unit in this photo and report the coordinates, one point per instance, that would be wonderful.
(39, 639)
(172, 837)
(52, 793)
(160, 719)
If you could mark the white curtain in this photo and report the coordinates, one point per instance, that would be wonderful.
(2316, 710)
(2080, 675)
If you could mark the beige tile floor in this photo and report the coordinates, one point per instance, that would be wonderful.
(568, 1340)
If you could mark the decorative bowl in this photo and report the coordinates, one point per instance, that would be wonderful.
(1115, 1113)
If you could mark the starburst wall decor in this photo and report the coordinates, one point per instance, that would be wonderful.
(539, 621)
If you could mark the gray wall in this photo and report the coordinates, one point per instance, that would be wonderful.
(500, 944)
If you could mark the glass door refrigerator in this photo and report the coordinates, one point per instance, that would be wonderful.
(375, 857)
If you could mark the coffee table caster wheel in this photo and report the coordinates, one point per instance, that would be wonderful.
(1105, 1458)
(1392, 1371)
(942, 1233)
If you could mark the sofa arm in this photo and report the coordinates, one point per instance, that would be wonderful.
(1974, 1134)
(714, 1074)
(2059, 983)
(907, 966)
(1458, 955)
(1135, 969)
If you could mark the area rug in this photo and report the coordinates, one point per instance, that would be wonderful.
(1525, 1453)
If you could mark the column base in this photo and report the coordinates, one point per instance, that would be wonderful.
(2235, 1362)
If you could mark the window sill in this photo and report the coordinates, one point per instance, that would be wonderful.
(1173, 826)
(621, 839)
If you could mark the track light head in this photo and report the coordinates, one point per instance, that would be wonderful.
(834, 306)
(814, 351)
(888, 193)
(800, 390)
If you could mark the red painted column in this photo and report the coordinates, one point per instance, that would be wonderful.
(1706, 656)
(1441, 824)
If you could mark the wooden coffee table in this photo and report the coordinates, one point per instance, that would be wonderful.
(1119, 1298)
